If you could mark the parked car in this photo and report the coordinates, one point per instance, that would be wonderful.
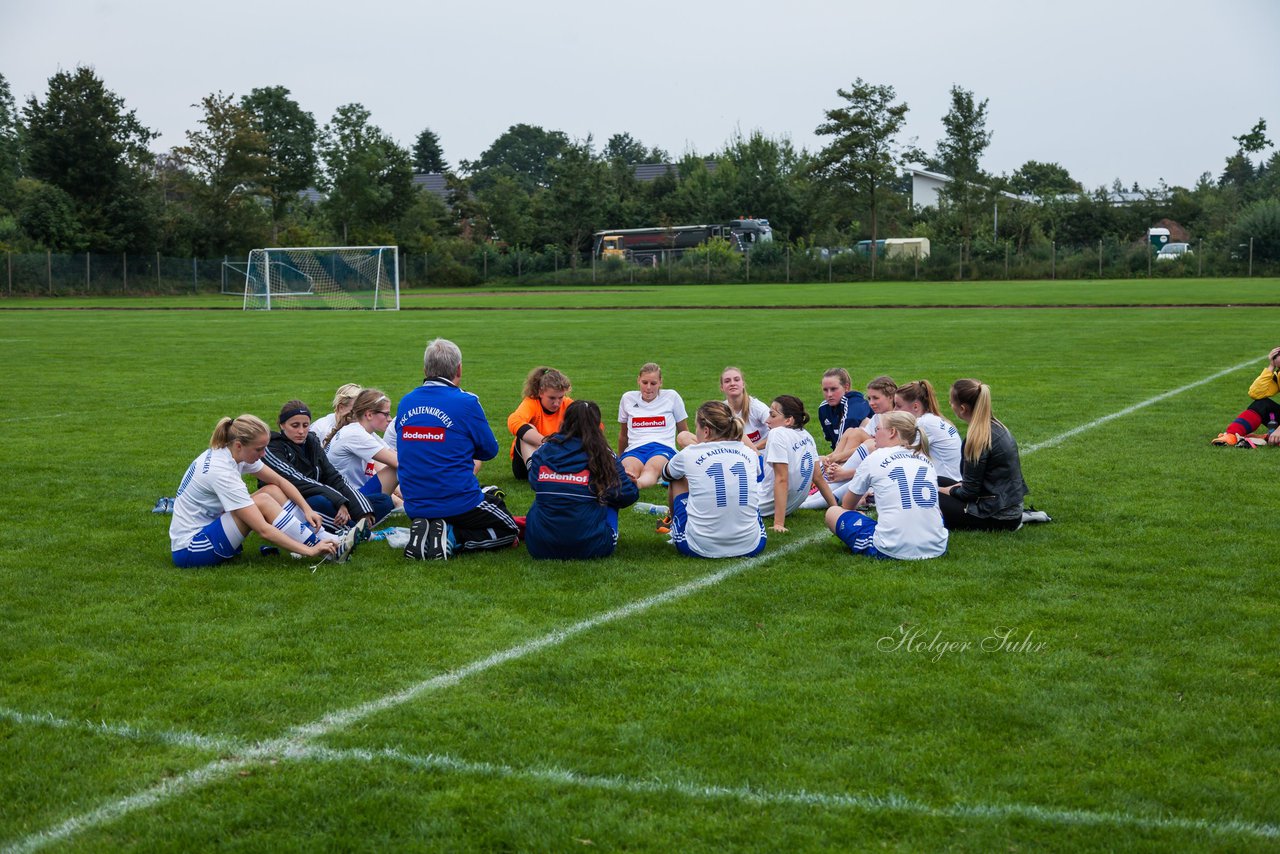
(1173, 251)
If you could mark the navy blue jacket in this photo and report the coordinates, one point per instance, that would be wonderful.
(567, 521)
(853, 410)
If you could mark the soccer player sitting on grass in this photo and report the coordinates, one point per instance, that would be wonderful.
(358, 453)
(841, 416)
(1263, 410)
(790, 462)
(214, 512)
(909, 523)
(649, 420)
(342, 401)
(540, 413)
(880, 392)
(715, 503)
(578, 488)
(295, 453)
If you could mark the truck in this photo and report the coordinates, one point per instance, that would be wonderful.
(646, 245)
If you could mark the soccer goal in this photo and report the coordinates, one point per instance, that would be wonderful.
(323, 277)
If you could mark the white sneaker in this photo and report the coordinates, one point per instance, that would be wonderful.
(346, 545)
(1033, 515)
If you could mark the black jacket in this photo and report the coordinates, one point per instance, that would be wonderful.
(307, 467)
(992, 487)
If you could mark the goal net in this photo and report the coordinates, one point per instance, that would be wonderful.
(323, 277)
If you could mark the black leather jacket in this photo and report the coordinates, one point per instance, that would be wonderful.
(992, 487)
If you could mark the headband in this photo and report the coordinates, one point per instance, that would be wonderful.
(289, 413)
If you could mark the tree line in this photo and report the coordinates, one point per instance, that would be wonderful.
(77, 174)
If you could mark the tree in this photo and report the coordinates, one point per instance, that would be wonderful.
(47, 215)
(864, 154)
(84, 141)
(524, 151)
(230, 166)
(427, 154)
(578, 199)
(291, 137)
(1239, 171)
(1043, 180)
(625, 148)
(10, 142)
(770, 180)
(959, 152)
(368, 177)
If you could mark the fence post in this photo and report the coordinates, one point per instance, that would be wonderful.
(748, 265)
(788, 263)
(195, 276)
(157, 269)
(1006, 259)
(9, 255)
(1200, 259)
(86, 272)
(124, 271)
(48, 268)
(485, 276)
(1251, 257)
(1099, 259)
(829, 256)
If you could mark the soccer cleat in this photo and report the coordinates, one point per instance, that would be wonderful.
(494, 494)
(346, 545)
(664, 527)
(1251, 442)
(520, 523)
(1226, 439)
(163, 505)
(362, 530)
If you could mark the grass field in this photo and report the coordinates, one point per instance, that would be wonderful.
(1105, 682)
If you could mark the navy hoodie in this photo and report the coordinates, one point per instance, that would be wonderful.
(566, 520)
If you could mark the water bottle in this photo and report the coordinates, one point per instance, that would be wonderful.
(651, 509)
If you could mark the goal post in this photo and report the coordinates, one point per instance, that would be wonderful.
(340, 277)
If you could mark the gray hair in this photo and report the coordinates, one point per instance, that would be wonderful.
(442, 359)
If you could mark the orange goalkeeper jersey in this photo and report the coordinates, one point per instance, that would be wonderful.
(530, 411)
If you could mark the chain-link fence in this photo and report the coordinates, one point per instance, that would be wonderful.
(464, 264)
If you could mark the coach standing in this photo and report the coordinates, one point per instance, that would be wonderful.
(440, 431)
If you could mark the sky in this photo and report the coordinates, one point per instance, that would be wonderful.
(1137, 91)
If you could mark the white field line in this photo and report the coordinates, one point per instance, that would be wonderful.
(1062, 437)
(874, 804)
(126, 731)
(295, 740)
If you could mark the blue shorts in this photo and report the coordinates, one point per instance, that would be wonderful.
(680, 521)
(372, 486)
(213, 545)
(858, 533)
(646, 452)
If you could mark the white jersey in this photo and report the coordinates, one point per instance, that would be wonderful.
(653, 421)
(757, 423)
(908, 519)
(944, 445)
(872, 423)
(351, 453)
(797, 449)
(212, 486)
(724, 503)
(324, 426)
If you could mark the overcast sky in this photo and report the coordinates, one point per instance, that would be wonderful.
(1140, 91)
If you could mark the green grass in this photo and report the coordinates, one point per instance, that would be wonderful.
(763, 712)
